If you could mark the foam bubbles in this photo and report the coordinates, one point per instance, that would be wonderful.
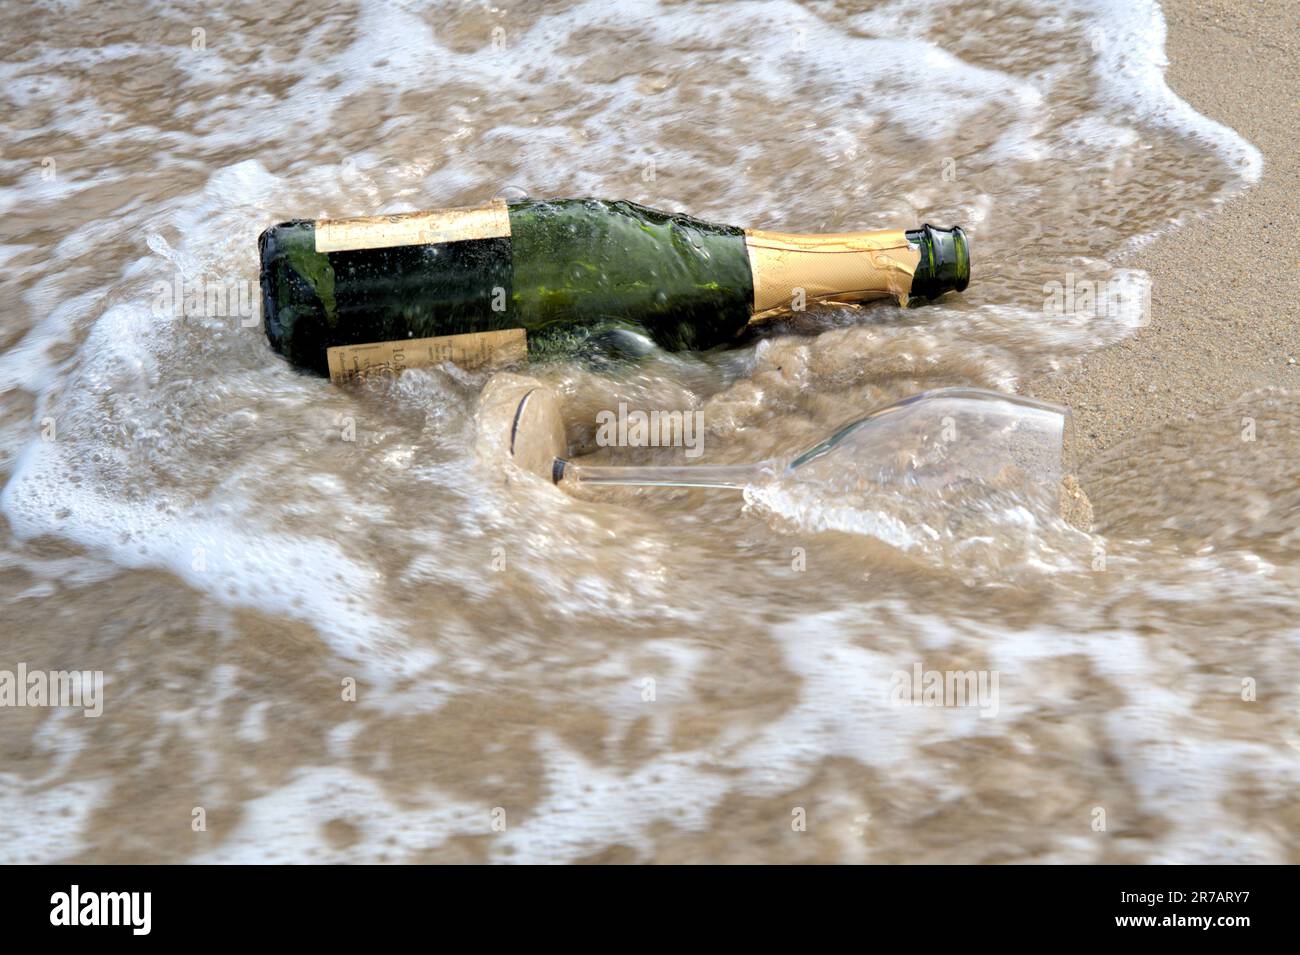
(374, 516)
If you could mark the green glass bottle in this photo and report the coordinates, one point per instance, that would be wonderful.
(563, 266)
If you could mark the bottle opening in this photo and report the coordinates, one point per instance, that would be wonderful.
(945, 261)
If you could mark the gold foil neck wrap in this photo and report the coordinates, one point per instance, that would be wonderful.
(491, 221)
(470, 350)
(844, 267)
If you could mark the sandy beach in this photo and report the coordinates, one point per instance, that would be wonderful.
(336, 625)
(1225, 310)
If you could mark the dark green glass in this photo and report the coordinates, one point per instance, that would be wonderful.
(568, 267)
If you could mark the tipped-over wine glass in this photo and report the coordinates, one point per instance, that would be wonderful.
(931, 441)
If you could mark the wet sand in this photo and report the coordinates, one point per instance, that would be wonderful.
(1225, 298)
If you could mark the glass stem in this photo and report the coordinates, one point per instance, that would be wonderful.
(732, 476)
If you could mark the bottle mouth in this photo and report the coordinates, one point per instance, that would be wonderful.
(945, 261)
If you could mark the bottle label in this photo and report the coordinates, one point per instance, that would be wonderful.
(462, 224)
(790, 270)
(347, 363)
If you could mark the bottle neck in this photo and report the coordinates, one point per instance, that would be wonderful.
(790, 271)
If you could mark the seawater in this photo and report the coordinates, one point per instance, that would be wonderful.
(337, 624)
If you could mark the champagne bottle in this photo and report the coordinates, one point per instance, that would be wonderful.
(506, 273)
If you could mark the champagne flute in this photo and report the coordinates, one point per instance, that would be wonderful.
(931, 441)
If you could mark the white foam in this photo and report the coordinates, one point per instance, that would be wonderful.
(42, 819)
(588, 807)
(1130, 68)
(287, 825)
(298, 577)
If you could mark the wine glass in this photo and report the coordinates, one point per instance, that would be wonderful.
(935, 440)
